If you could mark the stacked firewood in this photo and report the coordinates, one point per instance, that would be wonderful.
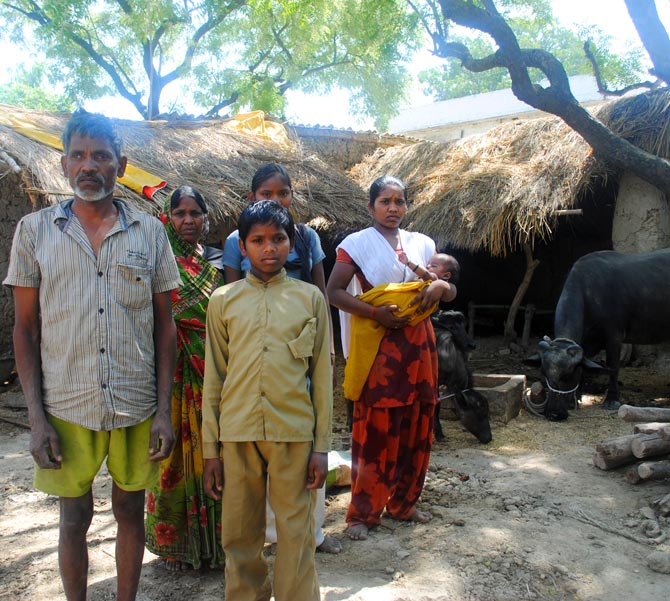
(648, 448)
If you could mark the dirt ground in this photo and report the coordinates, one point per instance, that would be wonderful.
(525, 517)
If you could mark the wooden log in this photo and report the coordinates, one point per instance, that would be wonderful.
(649, 445)
(654, 470)
(629, 413)
(652, 428)
(615, 452)
(633, 476)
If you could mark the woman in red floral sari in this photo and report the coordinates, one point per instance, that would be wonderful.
(391, 371)
(183, 524)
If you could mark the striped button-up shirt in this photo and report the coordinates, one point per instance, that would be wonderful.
(96, 312)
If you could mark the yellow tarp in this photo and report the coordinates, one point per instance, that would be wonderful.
(136, 179)
(366, 334)
(256, 125)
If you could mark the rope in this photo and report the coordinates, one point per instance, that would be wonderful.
(580, 515)
(449, 396)
(557, 391)
(536, 409)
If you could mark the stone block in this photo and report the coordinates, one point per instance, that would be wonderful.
(504, 393)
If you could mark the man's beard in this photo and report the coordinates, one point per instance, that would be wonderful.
(92, 195)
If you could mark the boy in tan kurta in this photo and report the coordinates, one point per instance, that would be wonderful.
(267, 404)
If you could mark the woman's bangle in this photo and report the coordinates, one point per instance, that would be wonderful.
(416, 266)
(372, 312)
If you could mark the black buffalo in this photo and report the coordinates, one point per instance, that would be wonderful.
(608, 299)
(453, 345)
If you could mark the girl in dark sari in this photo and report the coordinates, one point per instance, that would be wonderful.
(184, 524)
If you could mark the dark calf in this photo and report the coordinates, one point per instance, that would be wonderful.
(453, 345)
(608, 299)
(562, 361)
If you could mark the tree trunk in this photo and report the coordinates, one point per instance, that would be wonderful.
(614, 452)
(644, 15)
(629, 413)
(531, 265)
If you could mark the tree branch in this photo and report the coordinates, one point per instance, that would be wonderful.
(654, 36)
(603, 89)
(222, 104)
(43, 19)
(557, 98)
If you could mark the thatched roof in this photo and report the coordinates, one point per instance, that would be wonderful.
(205, 154)
(496, 190)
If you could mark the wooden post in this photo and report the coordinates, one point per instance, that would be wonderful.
(527, 321)
(471, 319)
(531, 265)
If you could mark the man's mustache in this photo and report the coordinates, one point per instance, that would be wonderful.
(91, 176)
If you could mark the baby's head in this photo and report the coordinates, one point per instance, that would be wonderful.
(445, 267)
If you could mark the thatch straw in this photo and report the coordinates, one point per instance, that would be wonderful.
(500, 189)
(643, 120)
(205, 154)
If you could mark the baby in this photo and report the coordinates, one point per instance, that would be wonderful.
(440, 267)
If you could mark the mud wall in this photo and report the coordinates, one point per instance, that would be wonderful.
(641, 217)
(14, 204)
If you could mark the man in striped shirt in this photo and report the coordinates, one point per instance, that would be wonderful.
(95, 340)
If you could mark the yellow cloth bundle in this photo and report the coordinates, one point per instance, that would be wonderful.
(367, 334)
(255, 124)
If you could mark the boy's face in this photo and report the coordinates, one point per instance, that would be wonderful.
(267, 247)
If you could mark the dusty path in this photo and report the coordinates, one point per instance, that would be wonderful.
(526, 517)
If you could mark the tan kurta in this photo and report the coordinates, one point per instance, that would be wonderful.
(267, 365)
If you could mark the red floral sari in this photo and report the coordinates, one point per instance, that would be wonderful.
(392, 430)
(182, 522)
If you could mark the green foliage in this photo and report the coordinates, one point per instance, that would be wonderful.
(29, 89)
(223, 54)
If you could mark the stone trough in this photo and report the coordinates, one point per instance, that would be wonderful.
(504, 393)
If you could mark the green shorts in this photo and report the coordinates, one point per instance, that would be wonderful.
(84, 450)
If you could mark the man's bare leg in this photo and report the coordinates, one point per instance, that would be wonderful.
(76, 514)
(128, 510)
